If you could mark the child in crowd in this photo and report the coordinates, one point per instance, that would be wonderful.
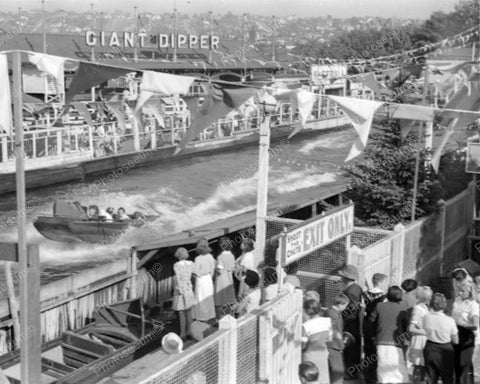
(317, 331)
(409, 298)
(224, 289)
(253, 294)
(270, 284)
(183, 296)
(459, 275)
(336, 345)
(292, 281)
(308, 373)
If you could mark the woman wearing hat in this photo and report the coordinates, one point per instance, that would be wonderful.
(204, 270)
(351, 320)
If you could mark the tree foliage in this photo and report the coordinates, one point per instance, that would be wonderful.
(387, 40)
(381, 183)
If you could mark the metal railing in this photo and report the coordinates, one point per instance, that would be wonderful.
(76, 141)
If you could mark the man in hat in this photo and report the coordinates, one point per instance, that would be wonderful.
(352, 320)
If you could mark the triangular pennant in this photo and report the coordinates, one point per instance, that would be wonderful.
(155, 109)
(89, 75)
(83, 111)
(411, 112)
(117, 109)
(305, 102)
(438, 152)
(165, 83)
(142, 99)
(53, 65)
(220, 100)
(360, 113)
(5, 97)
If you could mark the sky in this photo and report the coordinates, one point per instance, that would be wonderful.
(420, 9)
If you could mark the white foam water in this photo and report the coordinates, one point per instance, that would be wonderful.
(339, 139)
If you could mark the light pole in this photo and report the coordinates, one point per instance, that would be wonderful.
(267, 106)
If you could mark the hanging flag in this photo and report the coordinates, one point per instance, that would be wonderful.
(89, 75)
(154, 107)
(371, 82)
(438, 152)
(360, 113)
(305, 101)
(5, 100)
(219, 101)
(53, 65)
(83, 111)
(117, 109)
(464, 101)
(411, 112)
(100, 108)
(406, 127)
(142, 99)
(137, 116)
(165, 83)
(406, 72)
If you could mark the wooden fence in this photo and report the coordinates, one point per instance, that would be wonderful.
(425, 250)
(69, 304)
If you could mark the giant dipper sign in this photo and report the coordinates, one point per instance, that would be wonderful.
(131, 39)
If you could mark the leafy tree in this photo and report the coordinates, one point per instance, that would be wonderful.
(381, 183)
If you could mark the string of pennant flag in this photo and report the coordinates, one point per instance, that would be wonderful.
(222, 97)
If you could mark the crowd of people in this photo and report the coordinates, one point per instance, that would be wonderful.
(406, 334)
(209, 288)
(384, 334)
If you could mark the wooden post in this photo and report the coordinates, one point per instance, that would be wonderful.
(4, 149)
(30, 332)
(262, 189)
(228, 350)
(400, 228)
(13, 304)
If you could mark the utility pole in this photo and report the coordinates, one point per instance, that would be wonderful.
(92, 13)
(174, 31)
(210, 20)
(244, 61)
(44, 28)
(274, 38)
(135, 33)
(101, 21)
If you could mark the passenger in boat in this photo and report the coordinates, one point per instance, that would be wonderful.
(204, 270)
(121, 214)
(93, 212)
(104, 215)
(138, 216)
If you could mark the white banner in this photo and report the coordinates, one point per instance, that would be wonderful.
(316, 233)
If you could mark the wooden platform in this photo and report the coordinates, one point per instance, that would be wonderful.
(142, 368)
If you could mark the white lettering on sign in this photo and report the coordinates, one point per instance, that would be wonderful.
(316, 234)
(131, 40)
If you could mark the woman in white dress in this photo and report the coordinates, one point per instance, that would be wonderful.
(204, 270)
(419, 338)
